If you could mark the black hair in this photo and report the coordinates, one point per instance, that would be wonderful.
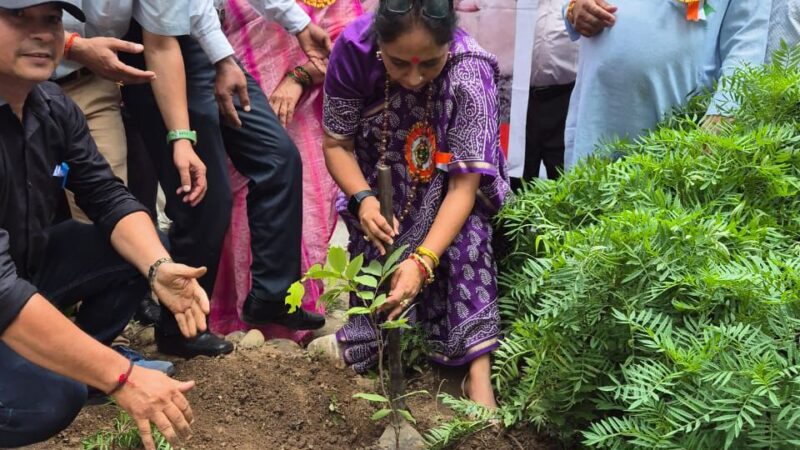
(388, 25)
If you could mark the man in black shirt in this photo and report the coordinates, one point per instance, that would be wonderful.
(46, 361)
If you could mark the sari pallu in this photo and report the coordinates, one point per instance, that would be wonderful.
(268, 52)
(459, 311)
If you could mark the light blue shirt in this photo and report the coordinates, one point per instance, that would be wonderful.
(112, 18)
(784, 25)
(651, 61)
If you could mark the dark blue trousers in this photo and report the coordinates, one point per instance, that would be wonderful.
(261, 150)
(79, 265)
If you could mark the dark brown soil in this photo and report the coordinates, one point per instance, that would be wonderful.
(267, 399)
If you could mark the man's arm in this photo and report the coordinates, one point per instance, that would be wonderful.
(99, 54)
(135, 239)
(42, 335)
(163, 56)
(314, 41)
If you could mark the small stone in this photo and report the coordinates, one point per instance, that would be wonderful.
(235, 337)
(147, 336)
(327, 348)
(285, 346)
(253, 339)
(410, 439)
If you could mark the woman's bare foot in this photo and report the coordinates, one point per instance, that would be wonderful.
(478, 385)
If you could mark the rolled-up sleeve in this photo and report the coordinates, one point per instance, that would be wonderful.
(100, 194)
(14, 291)
(285, 12)
(206, 30)
(164, 17)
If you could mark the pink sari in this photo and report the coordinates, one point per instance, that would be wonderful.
(268, 53)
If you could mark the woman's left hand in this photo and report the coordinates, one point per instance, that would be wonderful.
(285, 98)
(406, 284)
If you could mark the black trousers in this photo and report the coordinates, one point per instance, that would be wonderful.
(79, 265)
(261, 150)
(547, 117)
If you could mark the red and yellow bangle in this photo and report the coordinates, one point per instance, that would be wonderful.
(422, 271)
(69, 43)
(302, 76)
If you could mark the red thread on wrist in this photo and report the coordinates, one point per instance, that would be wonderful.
(421, 268)
(69, 43)
(122, 380)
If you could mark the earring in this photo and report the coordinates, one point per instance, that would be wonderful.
(379, 55)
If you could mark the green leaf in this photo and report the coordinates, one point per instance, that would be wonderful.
(366, 280)
(379, 301)
(401, 323)
(380, 414)
(357, 311)
(371, 397)
(407, 415)
(337, 259)
(294, 297)
(374, 268)
(391, 260)
(366, 295)
(354, 267)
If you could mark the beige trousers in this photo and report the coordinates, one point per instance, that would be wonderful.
(99, 99)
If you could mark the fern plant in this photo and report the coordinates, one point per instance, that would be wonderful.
(654, 301)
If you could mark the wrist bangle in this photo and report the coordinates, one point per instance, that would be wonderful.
(151, 276)
(122, 380)
(427, 266)
(69, 43)
(422, 251)
(570, 12)
(422, 270)
(189, 135)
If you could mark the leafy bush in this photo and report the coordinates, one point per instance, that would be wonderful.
(654, 302)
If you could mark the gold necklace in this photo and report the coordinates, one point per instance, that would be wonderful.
(319, 3)
(420, 147)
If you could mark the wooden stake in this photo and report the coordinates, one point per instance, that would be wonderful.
(397, 382)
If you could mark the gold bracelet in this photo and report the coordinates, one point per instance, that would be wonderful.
(422, 251)
(426, 266)
(570, 11)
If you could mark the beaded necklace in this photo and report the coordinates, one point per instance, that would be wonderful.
(420, 147)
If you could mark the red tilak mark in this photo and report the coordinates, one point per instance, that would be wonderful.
(415, 59)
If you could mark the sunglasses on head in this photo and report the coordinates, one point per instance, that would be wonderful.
(432, 9)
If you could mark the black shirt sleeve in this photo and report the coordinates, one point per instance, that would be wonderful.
(101, 195)
(14, 291)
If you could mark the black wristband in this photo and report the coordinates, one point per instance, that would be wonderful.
(354, 204)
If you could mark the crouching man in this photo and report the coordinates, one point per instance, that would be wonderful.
(46, 361)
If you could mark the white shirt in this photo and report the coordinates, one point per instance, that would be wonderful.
(555, 55)
(207, 31)
(112, 18)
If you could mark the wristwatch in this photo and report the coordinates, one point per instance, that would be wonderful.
(354, 204)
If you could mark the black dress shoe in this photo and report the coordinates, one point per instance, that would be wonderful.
(257, 312)
(149, 312)
(206, 344)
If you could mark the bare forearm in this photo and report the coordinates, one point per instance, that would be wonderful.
(42, 335)
(456, 208)
(343, 167)
(163, 56)
(136, 240)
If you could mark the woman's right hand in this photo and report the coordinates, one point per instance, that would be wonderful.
(285, 98)
(376, 229)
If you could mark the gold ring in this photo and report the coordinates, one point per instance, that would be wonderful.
(120, 84)
(366, 238)
(404, 303)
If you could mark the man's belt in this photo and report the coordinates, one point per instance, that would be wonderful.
(83, 72)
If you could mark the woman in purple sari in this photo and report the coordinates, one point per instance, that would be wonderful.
(405, 87)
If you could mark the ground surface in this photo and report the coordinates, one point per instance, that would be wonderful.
(280, 397)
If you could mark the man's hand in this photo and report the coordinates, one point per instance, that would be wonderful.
(316, 44)
(177, 287)
(99, 54)
(192, 172)
(231, 81)
(590, 17)
(152, 397)
(284, 99)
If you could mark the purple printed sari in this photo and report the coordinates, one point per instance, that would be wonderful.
(459, 311)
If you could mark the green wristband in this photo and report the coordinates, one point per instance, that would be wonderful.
(174, 135)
